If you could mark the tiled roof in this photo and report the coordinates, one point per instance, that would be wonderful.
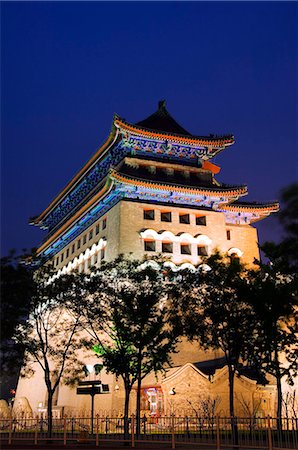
(162, 125)
(218, 191)
(162, 120)
(209, 367)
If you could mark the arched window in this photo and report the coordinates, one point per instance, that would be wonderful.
(235, 254)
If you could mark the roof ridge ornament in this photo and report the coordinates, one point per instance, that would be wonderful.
(161, 105)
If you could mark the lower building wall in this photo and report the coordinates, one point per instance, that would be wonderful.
(194, 394)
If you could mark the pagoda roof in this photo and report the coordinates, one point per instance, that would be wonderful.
(161, 120)
(163, 128)
(162, 125)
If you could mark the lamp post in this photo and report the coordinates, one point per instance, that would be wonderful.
(92, 388)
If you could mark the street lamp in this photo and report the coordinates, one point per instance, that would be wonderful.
(93, 387)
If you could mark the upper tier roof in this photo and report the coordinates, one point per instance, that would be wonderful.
(162, 120)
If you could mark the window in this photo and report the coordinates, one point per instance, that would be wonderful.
(185, 249)
(90, 234)
(67, 253)
(72, 248)
(85, 239)
(62, 257)
(200, 220)
(79, 243)
(167, 247)
(228, 235)
(166, 216)
(202, 251)
(149, 214)
(57, 261)
(104, 224)
(184, 218)
(95, 259)
(149, 246)
(102, 253)
(97, 229)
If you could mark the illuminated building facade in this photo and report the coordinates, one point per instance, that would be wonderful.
(151, 189)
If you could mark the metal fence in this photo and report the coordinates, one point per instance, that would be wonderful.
(216, 432)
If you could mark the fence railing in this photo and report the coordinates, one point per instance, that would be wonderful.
(217, 432)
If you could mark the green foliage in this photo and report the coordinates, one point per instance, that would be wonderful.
(284, 255)
(273, 291)
(126, 312)
(50, 335)
(213, 312)
(16, 289)
(127, 315)
(273, 295)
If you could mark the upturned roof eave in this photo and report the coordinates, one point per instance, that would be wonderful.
(252, 207)
(233, 190)
(225, 140)
(37, 221)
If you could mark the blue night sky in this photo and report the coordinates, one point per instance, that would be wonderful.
(68, 67)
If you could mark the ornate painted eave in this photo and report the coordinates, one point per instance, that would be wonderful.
(246, 213)
(38, 220)
(228, 192)
(212, 141)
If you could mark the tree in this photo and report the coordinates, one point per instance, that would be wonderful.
(127, 316)
(274, 295)
(217, 316)
(284, 254)
(50, 336)
(274, 291)
(16, 288)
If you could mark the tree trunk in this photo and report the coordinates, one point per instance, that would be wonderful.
(50, 413)
(138, 412)
(126, 409)
(231, 391)
(232, 410)
(279, 392)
